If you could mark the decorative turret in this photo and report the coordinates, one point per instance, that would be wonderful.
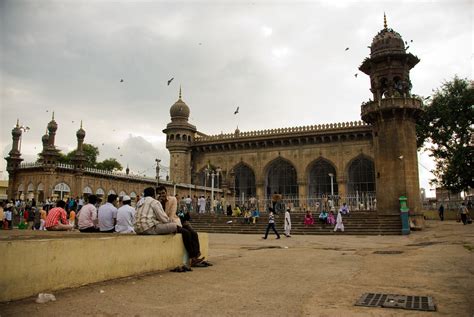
(393, 114)
(14, 156)
(52, 127)
(127, 170)
(79, 158)
(50, 154)
(179, 139)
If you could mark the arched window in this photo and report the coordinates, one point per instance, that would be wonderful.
(31, 187)
(244, 182)
(361, 176)
(61, 190)
(100, 192)
(87, 190)
(111, 192)
(122, 193)
(281, 179)
(319, 181)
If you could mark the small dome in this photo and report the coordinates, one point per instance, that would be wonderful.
(81, 134)
(45, 139)
(237, 131)
(16, 131)
(52, 126)
(179, 110)
(387, 40)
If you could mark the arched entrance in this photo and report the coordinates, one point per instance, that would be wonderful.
(361, 183)
(244, 183)
(282, 179)
(319, 179)
(40, 191)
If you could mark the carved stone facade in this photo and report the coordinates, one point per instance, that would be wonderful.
(383, 148)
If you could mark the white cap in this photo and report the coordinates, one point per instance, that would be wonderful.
(126, 198)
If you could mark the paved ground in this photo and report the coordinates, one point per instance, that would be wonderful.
(298, 276)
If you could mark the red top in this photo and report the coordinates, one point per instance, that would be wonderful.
(54, 216)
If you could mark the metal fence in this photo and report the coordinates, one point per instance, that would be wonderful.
(364, 201)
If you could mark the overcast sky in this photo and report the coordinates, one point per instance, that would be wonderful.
(283, 63)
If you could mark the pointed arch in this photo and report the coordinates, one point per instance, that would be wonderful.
(319, 179)
(361, 175)
(281, 178)
(87, 190)
(244, 182)
(30, 188)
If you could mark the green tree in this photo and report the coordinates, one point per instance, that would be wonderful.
(446, 128)
(109, 164)
(90, 151)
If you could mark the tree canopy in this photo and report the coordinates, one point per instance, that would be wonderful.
(92, 152)
(446, 128)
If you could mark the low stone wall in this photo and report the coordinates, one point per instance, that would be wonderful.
(35, 264)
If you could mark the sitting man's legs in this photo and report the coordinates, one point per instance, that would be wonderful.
(162, 228)
(60, 227)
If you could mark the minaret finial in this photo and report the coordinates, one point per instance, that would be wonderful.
(384, 21)
(81, 124)
(17, 123)
(179, 91)
(53, 116)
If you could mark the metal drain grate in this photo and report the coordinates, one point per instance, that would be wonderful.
(424, 303)
(388, 252)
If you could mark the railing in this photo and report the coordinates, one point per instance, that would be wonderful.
(356, 202)
(312, 128)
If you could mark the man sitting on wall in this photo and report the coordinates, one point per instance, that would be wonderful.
(87, 216)
(57, 218)
(190, 237)
(150, 217)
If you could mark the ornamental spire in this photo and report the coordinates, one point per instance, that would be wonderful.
(81, 124)
(179, 91)
(384, 21)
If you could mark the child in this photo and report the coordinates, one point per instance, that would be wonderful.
(331, 218)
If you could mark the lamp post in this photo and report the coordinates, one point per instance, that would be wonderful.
(213, 174)
(332, 188)
(157, 171)
(24, 129)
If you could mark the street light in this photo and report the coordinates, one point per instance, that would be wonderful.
(24, 129)
(157, 170)
(332, 187)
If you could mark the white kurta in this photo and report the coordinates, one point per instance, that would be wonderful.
(287, 223)
(339, 224)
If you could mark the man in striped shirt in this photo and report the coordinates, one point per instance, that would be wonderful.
(57, 218)
(150, 217)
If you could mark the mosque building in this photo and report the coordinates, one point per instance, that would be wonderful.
(368, 163)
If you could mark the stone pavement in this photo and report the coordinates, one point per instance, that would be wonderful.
(297, 276)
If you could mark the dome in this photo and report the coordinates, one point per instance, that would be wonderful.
(387, 40)
(52, 126)
(179, 110)
(16, 131)
(81, 134)
(45, 139)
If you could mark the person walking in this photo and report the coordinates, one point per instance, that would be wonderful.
(287, 223)
(271, 224)
(464, 213)
(441, 212)
(339, 223)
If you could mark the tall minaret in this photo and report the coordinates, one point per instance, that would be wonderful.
(79, 159)
(179, 138)
(14, 156)
(13, 161)
(393, 114)
(50, 154)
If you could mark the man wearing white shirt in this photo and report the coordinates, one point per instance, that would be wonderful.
(202, 204)
(125, 216)
(108, 215)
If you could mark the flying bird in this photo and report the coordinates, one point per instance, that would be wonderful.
(355, 75)
(169, 81)
(121, 80)
(427, 98)
(236, 110)
(200, 43)
(407, 47)
(118, 148)
(347, 48)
